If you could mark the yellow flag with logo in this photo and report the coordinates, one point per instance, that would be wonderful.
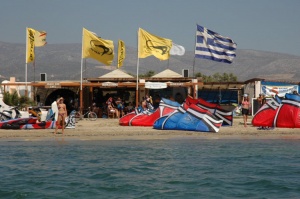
(121, 53)
(30, 45)
(150, 44)
(40, 38)
(97, 48)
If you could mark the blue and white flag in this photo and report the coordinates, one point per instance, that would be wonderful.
(211, 45)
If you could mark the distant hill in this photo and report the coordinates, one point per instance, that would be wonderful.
(63, 62)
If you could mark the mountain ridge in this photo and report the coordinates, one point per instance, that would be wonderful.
(63, 62)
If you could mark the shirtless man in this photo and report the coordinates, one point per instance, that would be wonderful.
(245, 108)
(62, 114)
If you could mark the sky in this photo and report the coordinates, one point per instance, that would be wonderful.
(267, 25)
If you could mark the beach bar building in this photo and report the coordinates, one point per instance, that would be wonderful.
(269, 88)
(115, 83)
(167, 84)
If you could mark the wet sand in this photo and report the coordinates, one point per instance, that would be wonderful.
(109, 129)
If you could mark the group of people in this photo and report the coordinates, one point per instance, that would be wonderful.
(147, 104)
(261, 100)
(117, 106)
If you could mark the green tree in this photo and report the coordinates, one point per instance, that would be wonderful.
(14, 100)
(150, 73)
(232, 77)
(217, 77)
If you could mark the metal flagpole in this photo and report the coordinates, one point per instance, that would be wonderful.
(137, 74)
(194, 55)
(26, 88)
(85, 68)
(34, 70)
(81, 93)
(194, 87)
(194, 67)
(168, 64)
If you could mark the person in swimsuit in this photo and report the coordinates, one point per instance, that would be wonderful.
(62, 114)
(111, 106)
(245, 108)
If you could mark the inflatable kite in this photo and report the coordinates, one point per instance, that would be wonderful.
(215, 109)
(34, 123)
(279, 113)
(288, 114)
(146, 118)
(264, 117)
(194, 118)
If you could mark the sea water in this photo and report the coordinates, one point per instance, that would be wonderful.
(65, 168)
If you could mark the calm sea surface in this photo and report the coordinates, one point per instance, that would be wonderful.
(150, 169)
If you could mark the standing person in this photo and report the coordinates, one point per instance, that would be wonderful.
(62, 114)
(259, 101)
(245, 108)
(264, 99)
(54, 109)
(156, 102)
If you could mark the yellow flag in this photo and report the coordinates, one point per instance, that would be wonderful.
(40, 38)
(150, 44)
(97, 48)
(30, 45)
(121, 53)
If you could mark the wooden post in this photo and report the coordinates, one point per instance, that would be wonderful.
(81, 101)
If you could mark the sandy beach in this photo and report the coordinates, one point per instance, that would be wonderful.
(109, 129)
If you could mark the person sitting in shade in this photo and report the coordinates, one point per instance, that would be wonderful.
(295, 92)
(149, 103)
(111, 107)
(120, 106)
(129, 107)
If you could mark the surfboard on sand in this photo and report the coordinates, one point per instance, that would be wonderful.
(55, 109)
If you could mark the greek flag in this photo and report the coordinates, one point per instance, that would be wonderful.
(211, 45)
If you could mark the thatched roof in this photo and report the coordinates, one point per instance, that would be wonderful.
(116, 74)
(167, 73)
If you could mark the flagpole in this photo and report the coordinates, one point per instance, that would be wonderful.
(81, 93)
(26, 88)
(118, 57)
(81, 97)
(34, 70)
(194, 55)
(168, 63)
(85, 69)
(137, 74)
(194, 87)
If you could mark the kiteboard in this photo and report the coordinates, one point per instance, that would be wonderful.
(54, 108)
